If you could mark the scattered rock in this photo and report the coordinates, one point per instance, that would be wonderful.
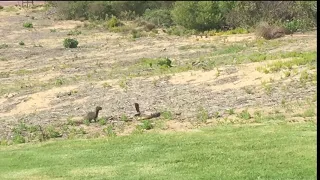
(10, 95)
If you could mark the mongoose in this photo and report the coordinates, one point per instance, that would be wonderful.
(93, 115)
(153, 115)
(136, 105)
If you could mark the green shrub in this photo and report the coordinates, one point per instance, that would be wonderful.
(127, 15)
(180, 31)
(248, 13)
(296, 25)
(159, 17)
(21, 43)
(124, 6)
(1, 7)
(99, 10)
(70, 43)
(72, 9)
(199, 15)
(28, 25)
(113, 22)
(165, 62)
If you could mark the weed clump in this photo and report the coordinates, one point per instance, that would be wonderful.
(109, 131)
(202, 114)
(146, 124)
(28, 25)
(3, 46)
(135, 33)
(244, 115)
(102, 121)
(74, 33)
(70, 43)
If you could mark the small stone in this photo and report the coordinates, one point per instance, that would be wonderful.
(11, 95)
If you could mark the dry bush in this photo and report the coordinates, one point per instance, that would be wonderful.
(269, 32)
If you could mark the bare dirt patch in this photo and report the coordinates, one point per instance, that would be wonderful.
(33, 103)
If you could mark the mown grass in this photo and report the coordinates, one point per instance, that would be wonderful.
(274, 151)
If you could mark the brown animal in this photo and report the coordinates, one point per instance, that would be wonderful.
(143, 116)
(93, 115)
(136, 105)
(270, 32)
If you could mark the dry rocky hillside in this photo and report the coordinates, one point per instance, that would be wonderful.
(218, 79)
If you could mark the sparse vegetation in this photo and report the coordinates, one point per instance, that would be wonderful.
(28, 25)
(167, 115)
(257, 115)
(202, 114)
(21, 43)
(298, 59)
(244, 115)
(102, 121)
(123, 84)
(74, 33)
(70, 43)
(230, 111)
(146, 124)
(135, 34)
(52, 132)
(106, 85)
(3, 46)
(124, 118)
(59, 82)
(86, 122)
(109, 131)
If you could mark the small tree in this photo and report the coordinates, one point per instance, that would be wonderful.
(70, 43)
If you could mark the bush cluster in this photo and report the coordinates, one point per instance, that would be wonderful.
(198, 15)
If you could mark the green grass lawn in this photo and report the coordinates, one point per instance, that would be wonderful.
(273, 151)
